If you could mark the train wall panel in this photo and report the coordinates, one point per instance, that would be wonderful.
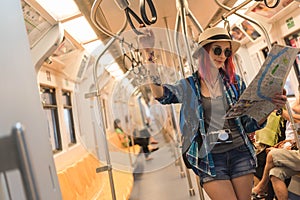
(20, 101)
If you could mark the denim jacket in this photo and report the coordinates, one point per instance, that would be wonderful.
(187, 92)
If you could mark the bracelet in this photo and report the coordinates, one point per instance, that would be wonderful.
(151, 57)
(156, 80)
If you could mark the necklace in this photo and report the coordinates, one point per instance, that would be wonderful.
(213, 88)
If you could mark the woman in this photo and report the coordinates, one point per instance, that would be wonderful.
(126, 141)
(217, 150)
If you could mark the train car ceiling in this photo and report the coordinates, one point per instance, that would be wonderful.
(68, 14)
(51, 38)
(111, 17)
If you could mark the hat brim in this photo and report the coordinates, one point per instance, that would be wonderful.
(235, 45)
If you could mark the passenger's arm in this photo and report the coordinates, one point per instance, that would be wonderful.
(286, 116)
(296, 107)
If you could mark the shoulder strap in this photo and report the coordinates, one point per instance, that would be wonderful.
(195, 83)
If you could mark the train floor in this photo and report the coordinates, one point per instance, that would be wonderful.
(161, 179)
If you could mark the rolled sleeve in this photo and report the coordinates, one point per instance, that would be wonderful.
(172, 93)
(168, 97)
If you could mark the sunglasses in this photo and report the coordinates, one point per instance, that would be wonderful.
(218, 51)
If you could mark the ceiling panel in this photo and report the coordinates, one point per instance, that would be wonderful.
(203, 10)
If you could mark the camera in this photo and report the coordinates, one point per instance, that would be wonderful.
(220, 137)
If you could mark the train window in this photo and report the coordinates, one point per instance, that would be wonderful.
(48, 97)
(68, 117)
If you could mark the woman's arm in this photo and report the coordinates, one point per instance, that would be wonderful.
(157, 90)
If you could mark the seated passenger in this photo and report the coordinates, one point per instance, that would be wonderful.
(126, 140)
(276, 160)
(281, 164)
(271, 134)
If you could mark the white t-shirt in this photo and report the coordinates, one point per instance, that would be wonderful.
(289, 133)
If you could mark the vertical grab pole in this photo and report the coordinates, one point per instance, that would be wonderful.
(188, 175)
(181, 6)
(170, 43)
(113, 39)
(296, 137)
(200, 190)
(183, 73)
(108, 162)
(177, 140)
(176, 34)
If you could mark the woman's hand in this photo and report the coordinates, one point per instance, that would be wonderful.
(279, 100)
(147, 40)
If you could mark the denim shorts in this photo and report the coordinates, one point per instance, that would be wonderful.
(231, 164)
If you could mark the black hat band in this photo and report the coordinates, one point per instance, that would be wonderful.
(218, 37)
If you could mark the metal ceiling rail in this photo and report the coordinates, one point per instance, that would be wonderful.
(117, 36)
(108, 167)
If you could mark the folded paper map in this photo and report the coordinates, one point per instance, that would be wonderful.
(256, 99)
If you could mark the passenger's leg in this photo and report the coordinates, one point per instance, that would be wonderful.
(286, 158)
(143, 142)
(242, 186)
(153, 141)
(261, 162)
(270, 192)
(219, 189)
(280, 177)
(261, 186)
(280, 188)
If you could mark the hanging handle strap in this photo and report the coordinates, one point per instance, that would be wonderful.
(130, 13)
(272, 6)
(144, 14)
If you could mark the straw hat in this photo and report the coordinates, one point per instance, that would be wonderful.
(215, 34)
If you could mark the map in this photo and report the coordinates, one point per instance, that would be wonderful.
(256, 99)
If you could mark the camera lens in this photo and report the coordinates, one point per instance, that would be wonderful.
(223, 136)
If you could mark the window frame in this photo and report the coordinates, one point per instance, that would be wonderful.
(67, 105)
(54, 120)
